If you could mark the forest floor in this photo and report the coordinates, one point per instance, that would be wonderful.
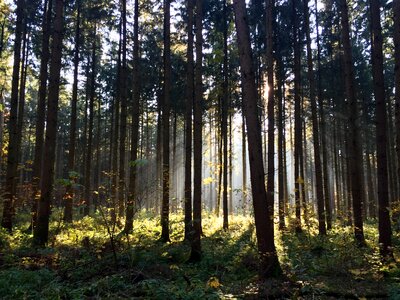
(89, 259)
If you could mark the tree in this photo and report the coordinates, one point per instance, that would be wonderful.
(385, 230)
(41, 232)
(165, 124)
(298, 149)
(12, 157)
(354, 147)
(41, 107)
(188, 122)
(135, 125)
(396, 35)
(269, 265)
(195, 254)
(69, 195)
(316, 143)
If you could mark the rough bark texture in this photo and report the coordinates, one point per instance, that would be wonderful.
(396, 21)
(271, 108)
(130, 208)
(195, 254)
(69, 195)
(297, 118)
(41, 232)
(89, 149)
(385, 230)
(165, 124)
(224, 123)
(41, 108)
(188, 122)
(315, 126)
(12, 157)
(269, 265)
(354, 144)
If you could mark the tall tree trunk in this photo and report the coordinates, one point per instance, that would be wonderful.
(244, 165)
(124, 100)
(41, 232)
(396, 35)
(165, 124)
(224, 123)
(69, 195)
(385, 230)
(316, 142)
(12, 157)
(195, 254)
(130, 208)
(327, 195)
(89, 149)
(297, 116)
(188, 122)
(354, 144)
(269, 265)
(271, 108)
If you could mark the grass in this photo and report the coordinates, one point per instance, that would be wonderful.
(80, 263)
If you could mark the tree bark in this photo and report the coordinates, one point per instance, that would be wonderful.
(195, 254)
(69, 195)
(188, 122)
(130, 208)
(12, 157)
(165, 124)
(41, 232)
(269, 265)
(315, 127)
(385, 230)
(354, 144)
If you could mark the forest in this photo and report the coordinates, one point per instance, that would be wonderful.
(200, 149)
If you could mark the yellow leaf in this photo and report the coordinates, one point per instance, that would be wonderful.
(213, 282)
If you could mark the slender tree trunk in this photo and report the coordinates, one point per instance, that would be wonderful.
(196, 253)
(297, 117)
(41, 232)
(224, 123)
(12, 157)
(354, 143)
(385, 230)
(89, 149)
(124, 100)
(188, 122)
(396, 35)
(315, 126)
(244, 165)
(69, 195)
(271, 108)
(165, 124)
(269, 265)
(130, 208)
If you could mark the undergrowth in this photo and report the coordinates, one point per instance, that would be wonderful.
(81, 262)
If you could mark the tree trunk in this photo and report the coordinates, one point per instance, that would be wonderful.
(12, 157)
(354, 144)
(195, 254)
(297, 117)
(224, 121)
(396, 35)
(315, 126)
(385, 230)
(188, 122)
(269, 265)
(165, 124)
(89, 149)
(41, 231)
(124, 100)
(69, 195)
(130, 208)
(271, 108)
